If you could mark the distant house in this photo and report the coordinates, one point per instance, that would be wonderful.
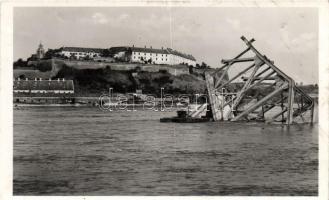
(80, 52)
(150, 55)
(43, 86)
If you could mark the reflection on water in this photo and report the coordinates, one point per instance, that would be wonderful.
(85, 151)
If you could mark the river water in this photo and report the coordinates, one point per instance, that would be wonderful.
(86, 151)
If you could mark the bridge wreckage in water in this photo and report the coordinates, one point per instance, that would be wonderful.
(277, 98)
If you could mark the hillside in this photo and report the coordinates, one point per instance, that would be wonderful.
(94, 78)
(97, 81)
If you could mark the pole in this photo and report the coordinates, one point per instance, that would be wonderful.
(282, 115)
(290, 104)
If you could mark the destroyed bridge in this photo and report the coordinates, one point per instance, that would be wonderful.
(277, 99)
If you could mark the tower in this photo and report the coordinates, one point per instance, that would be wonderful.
(40, 52)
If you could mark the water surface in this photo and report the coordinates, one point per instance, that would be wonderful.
(85, 151)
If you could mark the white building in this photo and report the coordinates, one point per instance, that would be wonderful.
(79, 52)
(154, 56)
(43, 86)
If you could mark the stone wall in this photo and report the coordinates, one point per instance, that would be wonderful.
(57, 63)
(172, 69)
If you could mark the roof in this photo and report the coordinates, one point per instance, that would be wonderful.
(43, 85)
(177, 53)
(149, 50)
(82, 49)
(139, 49)
(152, 50)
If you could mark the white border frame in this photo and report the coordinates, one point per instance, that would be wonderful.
(6, 60)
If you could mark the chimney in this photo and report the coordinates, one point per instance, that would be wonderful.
(133, 45)
(162, 48)
(145, 47)
(151, 47)
(26, 79)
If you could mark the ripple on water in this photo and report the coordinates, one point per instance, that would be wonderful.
(85, 151)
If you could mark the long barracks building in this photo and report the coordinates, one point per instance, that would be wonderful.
(155, 56)
(80, 52)
(132, 54)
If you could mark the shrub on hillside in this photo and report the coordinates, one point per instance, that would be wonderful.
(97, 80)
(43, 66)
(19, 63)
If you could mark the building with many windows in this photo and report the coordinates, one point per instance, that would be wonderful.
(80, 52)
(39, 86)
(150, 55)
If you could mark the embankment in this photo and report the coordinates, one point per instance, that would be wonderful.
(91, 77)
(97, 81)
(56, 64)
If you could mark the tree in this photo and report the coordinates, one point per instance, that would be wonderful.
(203, 65)
(190, 69)
(19, 63)
(43, 67)
(108, 68)
(106, 53)
(50, 53)
(73, 57)
(87, 57)
(22, 76)
(138, 69)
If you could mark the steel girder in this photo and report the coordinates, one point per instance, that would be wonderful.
(264, 89)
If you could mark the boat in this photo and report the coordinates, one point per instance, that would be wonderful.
(183, 117)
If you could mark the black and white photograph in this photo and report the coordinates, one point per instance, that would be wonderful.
(165, 101)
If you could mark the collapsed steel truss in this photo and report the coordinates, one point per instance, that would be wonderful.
(279, 97)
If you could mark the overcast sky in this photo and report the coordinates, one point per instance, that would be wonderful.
(289, 36)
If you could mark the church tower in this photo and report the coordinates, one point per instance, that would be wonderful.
(40, 52)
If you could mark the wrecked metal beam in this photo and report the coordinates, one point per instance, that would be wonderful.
(263, 71)
(277, 115)
(271, 106)
(238, 56)
(290, 116)
(261, 102)
(264, 59)
(260, 78)
(258, 64)
(232, 61)
(217, 82)
(235, 77)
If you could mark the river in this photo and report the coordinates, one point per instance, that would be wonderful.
(86, 151)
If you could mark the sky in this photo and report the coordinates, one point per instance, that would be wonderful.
(288, 36)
